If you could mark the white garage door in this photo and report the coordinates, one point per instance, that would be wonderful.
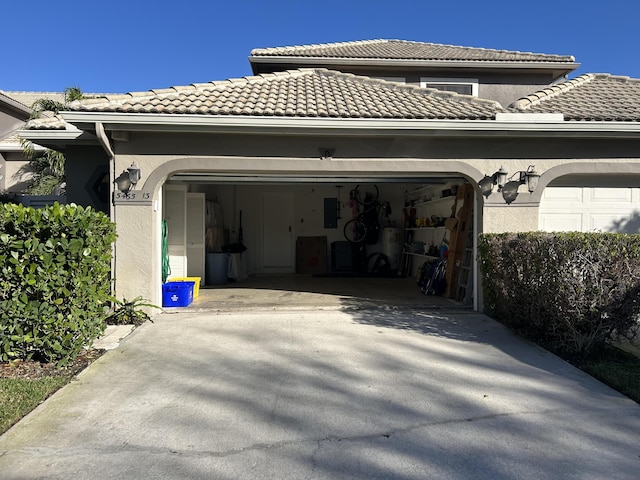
(587, 209)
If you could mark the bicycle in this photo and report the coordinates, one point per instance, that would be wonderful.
(363, 225)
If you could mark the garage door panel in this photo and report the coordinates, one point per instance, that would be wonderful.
(614, 196)
(607, 223)
(590, 209)
(561, 222)
(563, 194)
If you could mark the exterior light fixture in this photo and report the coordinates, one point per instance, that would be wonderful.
(486, 184)
(326, 153)
(530, 177)
(127, 180)
(134, 174)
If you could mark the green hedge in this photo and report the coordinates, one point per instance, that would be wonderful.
(571, 292)
(55, 280)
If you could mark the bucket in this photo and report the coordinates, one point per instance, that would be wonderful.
(217, 268)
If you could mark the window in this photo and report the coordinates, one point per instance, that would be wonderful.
(463, 86)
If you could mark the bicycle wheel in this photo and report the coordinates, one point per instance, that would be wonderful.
(369, 197)
(355, 231)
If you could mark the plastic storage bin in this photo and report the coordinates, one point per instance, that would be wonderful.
(196, 283)
(177, 294)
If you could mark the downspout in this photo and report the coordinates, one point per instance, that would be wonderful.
(104, 141)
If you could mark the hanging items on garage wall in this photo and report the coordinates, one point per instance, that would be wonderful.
(331, 213)
(214, 227)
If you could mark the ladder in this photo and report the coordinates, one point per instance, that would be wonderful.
(459, 237)
(464, 293)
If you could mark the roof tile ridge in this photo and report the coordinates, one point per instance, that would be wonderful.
(10, 99)
(432, 92)
(484, 49)
(29, 92)
(257, 51)
(621, 78)
(502, 50)
(540, 96)
(120, 98)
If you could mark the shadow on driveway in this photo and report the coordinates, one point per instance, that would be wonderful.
(356, 393)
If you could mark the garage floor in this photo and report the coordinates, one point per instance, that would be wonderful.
(290, 291)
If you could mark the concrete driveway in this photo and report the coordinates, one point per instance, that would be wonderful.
(302, 393)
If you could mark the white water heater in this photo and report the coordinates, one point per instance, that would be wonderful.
(392, 246)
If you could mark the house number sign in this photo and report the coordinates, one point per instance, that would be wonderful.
(132, 197)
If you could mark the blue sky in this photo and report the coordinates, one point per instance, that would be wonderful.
(135, 45)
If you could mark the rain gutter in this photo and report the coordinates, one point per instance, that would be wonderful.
(388, 62)
(505, 124)
(104, 142)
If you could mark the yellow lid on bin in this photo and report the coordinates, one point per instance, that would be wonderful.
(195, 280)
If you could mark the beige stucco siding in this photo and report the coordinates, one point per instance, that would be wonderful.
(138, 263)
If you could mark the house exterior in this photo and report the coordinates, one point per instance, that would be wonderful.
(315, 121)
(15, 111)
(500, 75)
(13, 116)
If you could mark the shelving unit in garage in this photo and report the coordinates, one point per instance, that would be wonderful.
(425, 230)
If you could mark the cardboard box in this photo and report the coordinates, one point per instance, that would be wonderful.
(311, 255)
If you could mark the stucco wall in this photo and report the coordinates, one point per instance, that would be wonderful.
(86, 169)
(137, 267)
(159, 156)
(16, 173)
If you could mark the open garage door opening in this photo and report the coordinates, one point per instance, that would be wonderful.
(413, 236)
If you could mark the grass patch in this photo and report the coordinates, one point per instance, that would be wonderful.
(19, 396)
(618, 369)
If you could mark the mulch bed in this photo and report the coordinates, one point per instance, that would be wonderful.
(27, 369)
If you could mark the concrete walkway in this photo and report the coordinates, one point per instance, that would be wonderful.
(327, 394)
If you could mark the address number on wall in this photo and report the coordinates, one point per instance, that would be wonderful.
(132, 197)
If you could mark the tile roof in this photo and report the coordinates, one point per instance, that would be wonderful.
(28, 98)
(46, 122)
(589, 97)
(11, 140)
(406, 50)
(7, 99)
(299, 93)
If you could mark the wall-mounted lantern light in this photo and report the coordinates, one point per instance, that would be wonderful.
(326, 153)
(487, 183)
(530, 177)
(127, 180)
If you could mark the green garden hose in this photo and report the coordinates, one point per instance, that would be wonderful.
(166, 269)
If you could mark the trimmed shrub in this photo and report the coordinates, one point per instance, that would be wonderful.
(570, 292)
(54, 281)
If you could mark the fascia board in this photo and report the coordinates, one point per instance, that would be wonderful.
(344, 126)
(374, 62)
(16, 105)
(57, 137)
(13, 147)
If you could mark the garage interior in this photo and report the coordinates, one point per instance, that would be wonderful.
(284, 239)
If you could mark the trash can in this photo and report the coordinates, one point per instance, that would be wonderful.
(217, 268)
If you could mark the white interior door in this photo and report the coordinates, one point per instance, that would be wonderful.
(175, 214)
(195, 234)
(277, 232)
